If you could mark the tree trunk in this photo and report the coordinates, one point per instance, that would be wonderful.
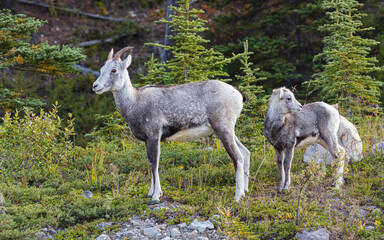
(349, 99)
(167, 54)
(8, 4)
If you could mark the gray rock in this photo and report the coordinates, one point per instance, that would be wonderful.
(376, 210)
(2, 201)
(166, 238)
(41, 235)
(162, 226)
(214, 218)
(182, 225)
(130, 234)
(102, 225)
(160, 208)
(319, 234)
(317, 153)
(87, 194)
(370, 208)
(348, 138)
(152, 232)
(369, 227)
(202, 238)
(103, 237)
(201, 226)
(134, 222)
(193, 233)
(175, 232)
(362, 213)
(378, 148)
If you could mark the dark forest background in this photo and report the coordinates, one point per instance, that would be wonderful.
(284, 36)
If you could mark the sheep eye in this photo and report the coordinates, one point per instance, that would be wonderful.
(289, 99)
(113, 71)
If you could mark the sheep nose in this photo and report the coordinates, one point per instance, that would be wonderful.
(94, 86)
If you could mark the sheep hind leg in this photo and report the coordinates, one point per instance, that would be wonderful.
(151, 190)
(279, 161)
(288, 156)
(338, 153)
(340, 158)
(153, 152)
(247, 158)
(227, 137)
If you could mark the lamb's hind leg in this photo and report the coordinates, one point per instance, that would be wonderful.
(153, 153)
(227, 136)
(338, 153)
(247, 158)
(288, 156)
(279, 161)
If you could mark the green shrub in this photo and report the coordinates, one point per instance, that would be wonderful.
(33, 146)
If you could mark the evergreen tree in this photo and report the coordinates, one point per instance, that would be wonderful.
(191, 61)
(346, 78)
(17, 53)
(283, 35)
(251, 120)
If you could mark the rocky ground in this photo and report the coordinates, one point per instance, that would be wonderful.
(138, 227)
(151, 228)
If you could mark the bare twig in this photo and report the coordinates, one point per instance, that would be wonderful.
(298, 218)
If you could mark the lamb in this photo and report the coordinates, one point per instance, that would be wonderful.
(289, 125)
(176, 113)
(348, 138)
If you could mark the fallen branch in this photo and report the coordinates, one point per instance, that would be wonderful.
(94, 42)
(73, 10)
(87, 70)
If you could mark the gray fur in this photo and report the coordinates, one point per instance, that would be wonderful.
(290, 125)
(181, 112)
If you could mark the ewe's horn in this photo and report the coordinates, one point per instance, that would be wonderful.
(110, 55)
(118, 54)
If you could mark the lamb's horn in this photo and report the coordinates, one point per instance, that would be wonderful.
(110, 55)
(118, 54)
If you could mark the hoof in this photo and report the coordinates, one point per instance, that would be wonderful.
(239, 196)
(285, 191)
(154, 202)
(336, 185)
(149, 196)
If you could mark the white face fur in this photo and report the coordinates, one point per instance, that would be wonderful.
(113, 76)
(288, 102)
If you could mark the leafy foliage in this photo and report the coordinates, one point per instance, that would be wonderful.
(33, 146)
(347, 75)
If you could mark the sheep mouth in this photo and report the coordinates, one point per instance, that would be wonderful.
(98, 91)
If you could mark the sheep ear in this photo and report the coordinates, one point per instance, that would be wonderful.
(281, 93)
(127, 62)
